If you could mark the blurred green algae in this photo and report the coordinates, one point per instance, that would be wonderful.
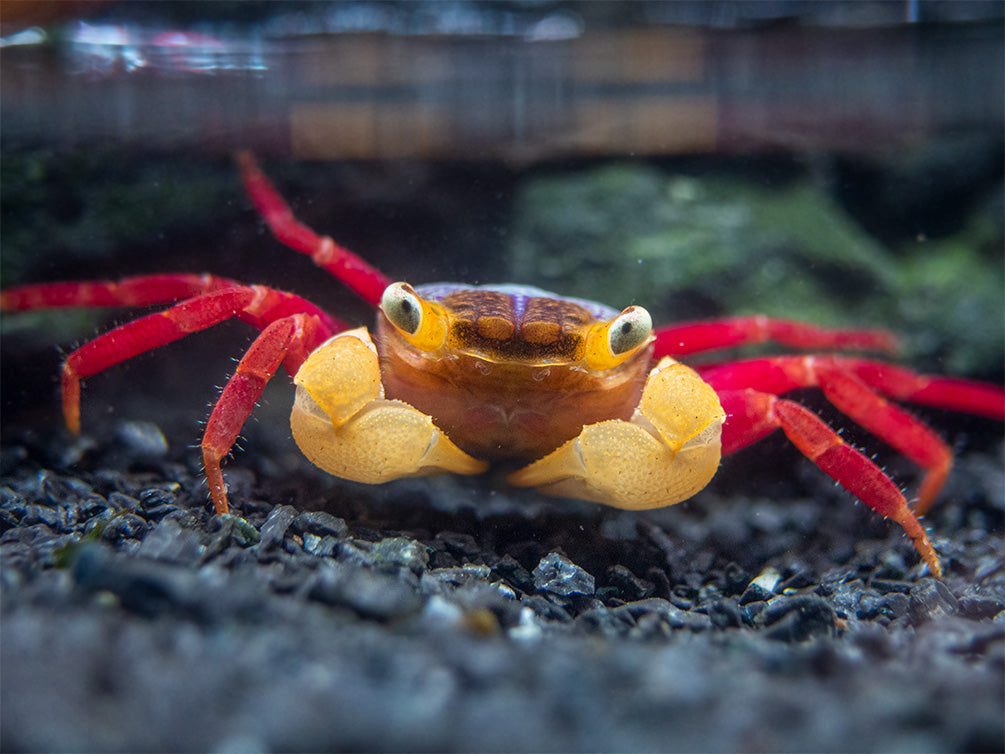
(697, 246)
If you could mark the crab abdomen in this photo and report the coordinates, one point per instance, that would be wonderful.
(506, 410)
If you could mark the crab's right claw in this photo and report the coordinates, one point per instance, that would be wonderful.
(666, 453)
(343, 423)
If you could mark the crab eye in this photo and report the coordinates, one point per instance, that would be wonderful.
(422, 323)
(610, 343)
(629, 330)
(400, 305)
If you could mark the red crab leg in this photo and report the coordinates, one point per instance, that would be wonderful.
(254, 304)
(853, 397)
(289, 340)
(368, 282)
(708, 335)
(760, 413)
(143, 290)
(952, 393)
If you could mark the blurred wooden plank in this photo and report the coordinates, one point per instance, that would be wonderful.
(632, 91)
(641, 56)
(360, 130)
(430, 97)
(646, 125)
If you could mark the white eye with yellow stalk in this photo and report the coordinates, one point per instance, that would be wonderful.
(422, 323)
(613, 342)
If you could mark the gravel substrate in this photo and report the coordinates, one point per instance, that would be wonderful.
(452, 614)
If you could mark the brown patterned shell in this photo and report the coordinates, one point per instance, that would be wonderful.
(504, 327)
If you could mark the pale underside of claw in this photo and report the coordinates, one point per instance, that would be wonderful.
(668, 451)
(665, 453)
(344, 425)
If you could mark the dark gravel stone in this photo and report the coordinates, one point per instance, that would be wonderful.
(980, 607)
(34, 534)
(627, 585)
(240, 532)
(885, 586)
(799, 580)
(140, 587)
(62, 490)
(667, 613)
(320, 524)
(797, 618)
(40, 514)
(461, 546)
(873, 606)
(445, 580)
(559, 575)
(755, 593)
(90, 505)
(725, 613)
(736, 579)
(169, 542)
(123, 502)
(125, 526)
(509, 569)
(604, 621)
(276, 525)
(156, 503)
(931, 599)
(321, 547)
(400, 552)
(357, 553)
(370, 594)
(545, 609)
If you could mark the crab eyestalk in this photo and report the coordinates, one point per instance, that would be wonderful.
(615, 341)
(422, 323)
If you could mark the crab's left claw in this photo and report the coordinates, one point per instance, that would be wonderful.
(666, 453)
(343, 423)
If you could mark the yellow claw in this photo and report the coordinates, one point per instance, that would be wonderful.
(667, 452)
(343, 423)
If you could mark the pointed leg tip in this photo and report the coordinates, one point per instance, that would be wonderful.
(934, 565)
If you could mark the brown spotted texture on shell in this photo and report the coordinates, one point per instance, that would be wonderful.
(505, 326)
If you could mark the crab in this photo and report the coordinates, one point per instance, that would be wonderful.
(588, 401)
